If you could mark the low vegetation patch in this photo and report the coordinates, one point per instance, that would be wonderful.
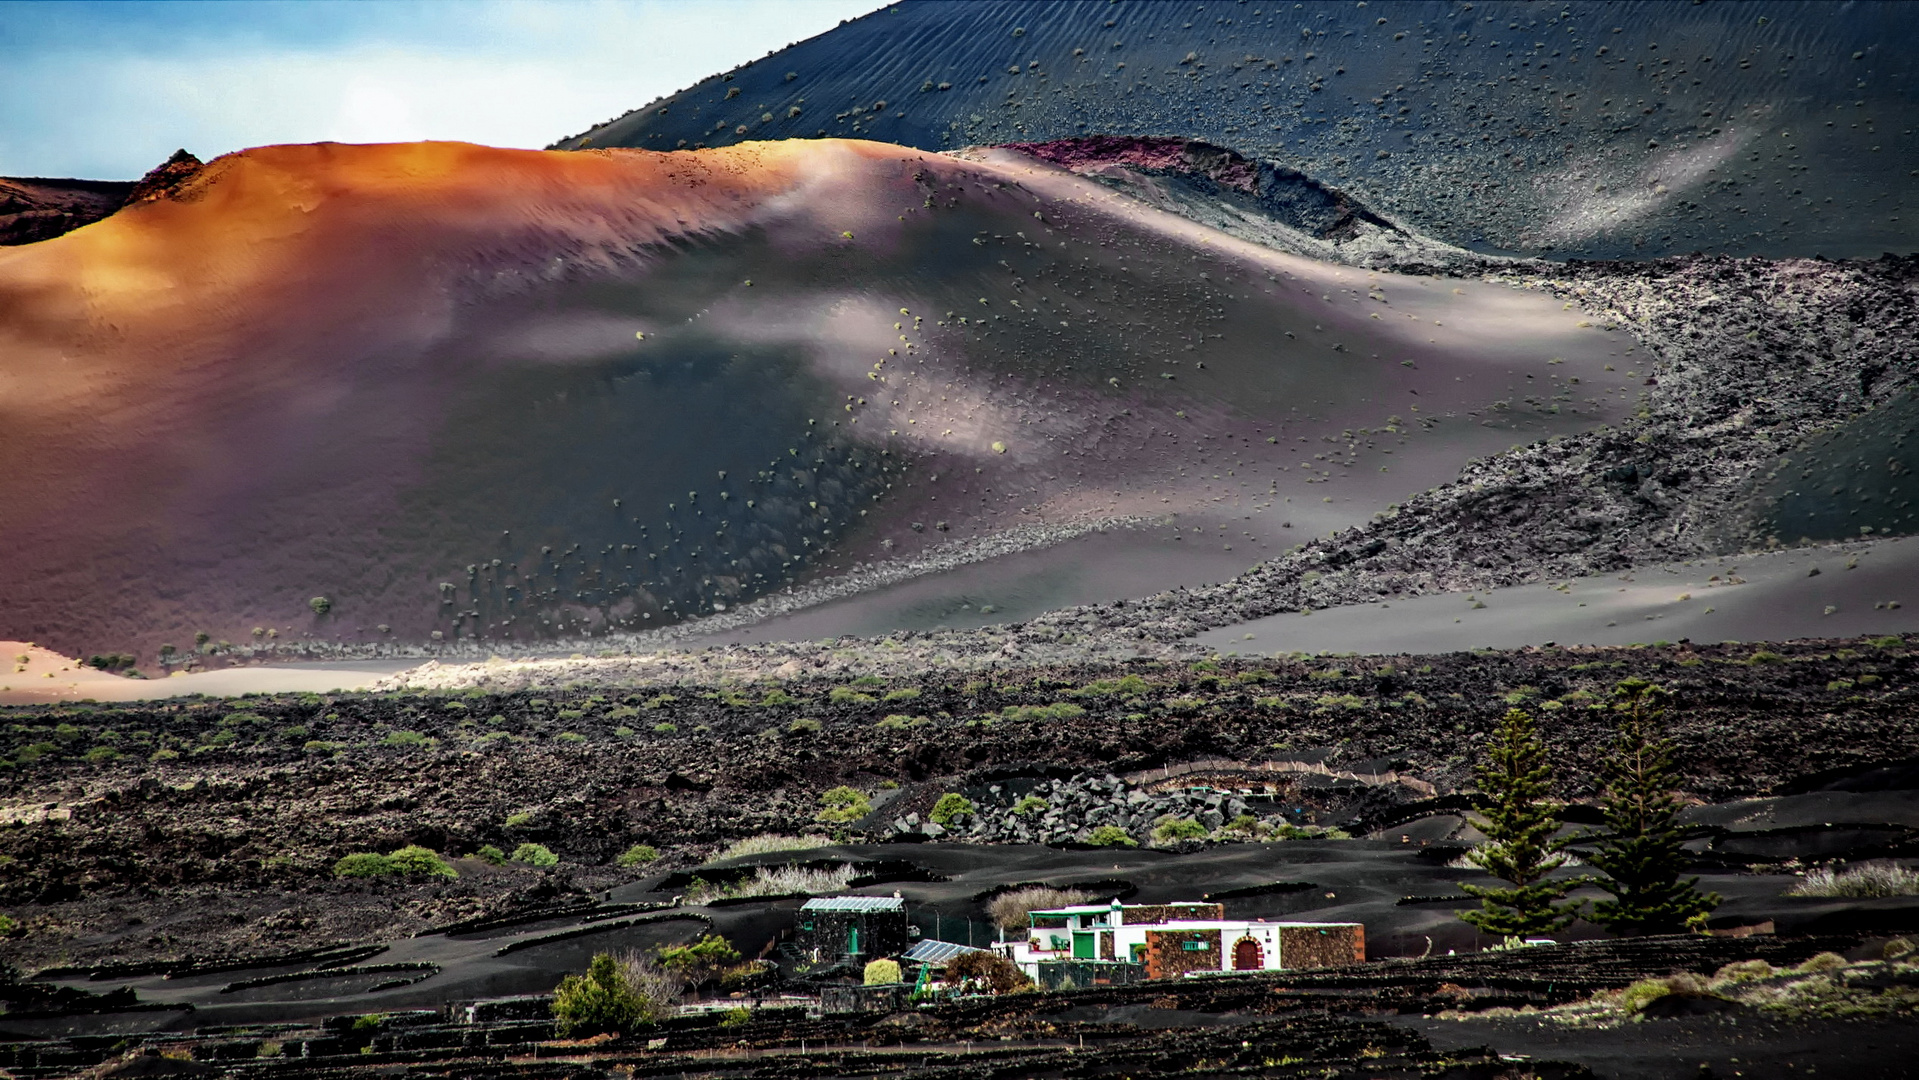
(409, 861)
(1860, 882)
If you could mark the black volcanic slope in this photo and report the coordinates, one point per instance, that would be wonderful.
(1595, 129)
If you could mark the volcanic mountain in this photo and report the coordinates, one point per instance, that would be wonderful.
(439, 392)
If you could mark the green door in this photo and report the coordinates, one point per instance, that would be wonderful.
(852, 941)
(1085, 945)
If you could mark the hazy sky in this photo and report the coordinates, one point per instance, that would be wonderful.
(108, 90)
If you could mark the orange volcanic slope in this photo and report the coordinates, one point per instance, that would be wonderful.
(165, 369)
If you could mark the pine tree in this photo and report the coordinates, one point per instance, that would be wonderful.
(1642, 856)
(1520, 847)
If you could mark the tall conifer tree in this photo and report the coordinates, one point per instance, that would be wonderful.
(1642, 856)
(1520, 847)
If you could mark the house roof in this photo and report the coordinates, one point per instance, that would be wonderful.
(854, 903)
(928, 951)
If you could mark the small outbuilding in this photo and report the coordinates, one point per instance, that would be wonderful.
(851, 929)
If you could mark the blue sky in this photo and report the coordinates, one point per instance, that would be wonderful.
(108, 90)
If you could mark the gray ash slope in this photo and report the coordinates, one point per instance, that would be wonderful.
(1744, 366)
(1587, 129)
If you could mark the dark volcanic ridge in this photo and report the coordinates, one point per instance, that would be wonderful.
(1598, 131)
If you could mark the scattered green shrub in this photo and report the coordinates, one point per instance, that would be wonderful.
(804, 727)
(904, 693)
(405, 738)
(1058, 711)
(519, 820)
(776, 696)
(1167, 832)
(1111, 836)
(737, 1016)
(949, 807)
(490, 854)
(532, 854)
(9, 926)
(901, 722)
(363, 864)
(639, 855)
(1031, 804)
(665, 728)
(414, 860)
(843, 804)
(846, 695)
(100, 755)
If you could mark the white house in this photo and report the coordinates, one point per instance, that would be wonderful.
(1171, 940)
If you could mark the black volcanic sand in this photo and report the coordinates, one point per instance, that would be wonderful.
(1599, 131)
(226, 846)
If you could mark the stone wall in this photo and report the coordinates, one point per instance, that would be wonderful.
(1321, 946)
(1167, 956)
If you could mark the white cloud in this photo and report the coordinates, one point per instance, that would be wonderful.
(505, 74)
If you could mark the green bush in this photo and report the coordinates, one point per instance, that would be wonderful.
(9, 926)
(776, 696)
(409, 861)
(1111, 836)
(535, 855)
(1178, 829)
(846, 695)
(901, 722)
(882, 972)
(519, 820)
(665, 728)
(904, 693)
(803, 727)
(1031, 804)
(843, 804)
(416, 860)
(951, 805)
(639, 855)
(737, 1016)
(490, 854)
(404, 738)
(100, 755)
(569, 736)
(363, 864)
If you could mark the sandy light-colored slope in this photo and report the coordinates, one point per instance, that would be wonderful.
(489, 397)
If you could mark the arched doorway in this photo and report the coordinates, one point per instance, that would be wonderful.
(1247, 955)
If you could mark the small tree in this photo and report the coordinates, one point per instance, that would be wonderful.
(1642, 857)
(1520, 848)
(881, 972)
(617, 994)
